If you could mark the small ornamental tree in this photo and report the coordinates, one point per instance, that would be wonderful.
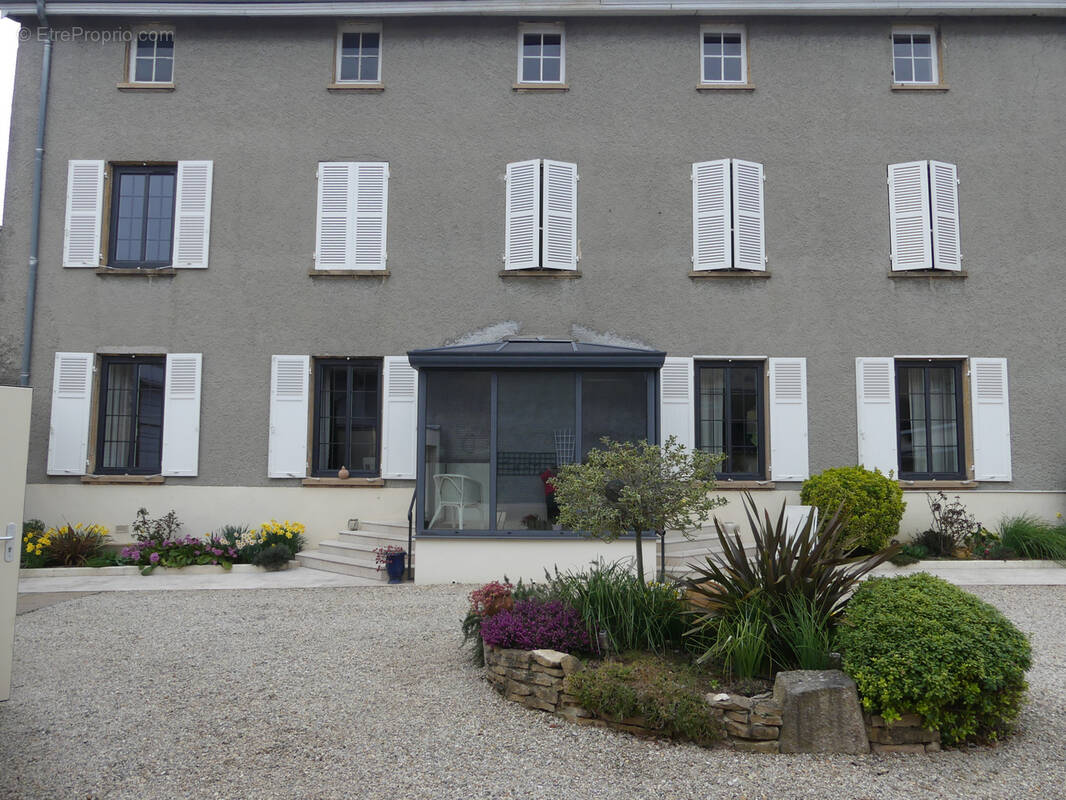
(625, 487)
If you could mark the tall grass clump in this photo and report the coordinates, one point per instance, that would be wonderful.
(1031, 537)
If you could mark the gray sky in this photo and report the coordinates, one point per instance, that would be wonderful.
(8, 46)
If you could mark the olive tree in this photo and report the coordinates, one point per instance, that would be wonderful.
(624, 487)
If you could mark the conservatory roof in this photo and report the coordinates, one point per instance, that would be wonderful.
(524, 352)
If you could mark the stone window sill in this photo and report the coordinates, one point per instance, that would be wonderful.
(922, 486)
(356, 87)
(931, 274)
(919, 87)
(137, 272)
(140, 480)
(145, 87)
(725, 87)
(540, 273)
(747, 486)
(349, 273)
(728, 273)
(541, 87)
(344, 483)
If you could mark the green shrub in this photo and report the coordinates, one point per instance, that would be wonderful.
(72, 545)
(1032, 537)
(273, 558)
(668, 696)
(741, 642)
(872, 504)
(805, 632)
(610, 598)
(918, 644)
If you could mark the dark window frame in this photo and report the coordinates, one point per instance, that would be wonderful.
(101, 422)
(960, 422)
(117, 171)
(760, 399)
(321, 366)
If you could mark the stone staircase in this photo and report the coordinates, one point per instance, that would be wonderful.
(352, 552)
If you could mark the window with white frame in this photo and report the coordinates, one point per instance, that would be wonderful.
(541, 54)
(914, 56)
(353, 200)
(923, 209)
(358, 58)
(913, 417)
(723, 54)
(541, 215)
(728, 219)
(152, 56)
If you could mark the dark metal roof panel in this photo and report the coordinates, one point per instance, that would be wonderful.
(540, 352)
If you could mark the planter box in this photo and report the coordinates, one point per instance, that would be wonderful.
(82, 572)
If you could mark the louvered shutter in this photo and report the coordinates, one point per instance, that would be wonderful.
(181, 415)
(68, 434)
(85, 202)
(991, 419)
(192, 214)
(334, 219)
(371, 183)
(876, 399)
(749, 237)
(712, 203)
(788, 419)
(944, 190)
(287, 453)
(908, 215)
(522, 243)
(677, 411)
(399, 421)
(559, 237)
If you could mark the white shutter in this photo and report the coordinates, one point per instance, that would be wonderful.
(712, 203)
(944, 190)
(334, 219)
(749, 237)
(522, 244)
(876, 399)
(85, 202)
(399, 420)
(68, 435)
(192, 214)
(367, 248)
(991, 419)
(908, 215)
(677, 410)
(788, 419)
(559, 237)
(287, 453)
(181, 415)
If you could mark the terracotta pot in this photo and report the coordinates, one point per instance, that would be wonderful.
(343, 473)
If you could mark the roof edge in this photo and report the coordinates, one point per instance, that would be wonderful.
(392, 8)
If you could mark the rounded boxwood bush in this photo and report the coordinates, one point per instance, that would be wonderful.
(917, 644)
(873, 503)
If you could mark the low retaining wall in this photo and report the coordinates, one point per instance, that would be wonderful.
(537, 679)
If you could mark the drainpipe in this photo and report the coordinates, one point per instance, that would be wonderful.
(35, 219)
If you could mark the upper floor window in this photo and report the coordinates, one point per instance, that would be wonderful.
(152, 56)
(358, 54)
(142, 216)
(914, 56)
(541, 215)
(728, 223)
(541, 54)
(923, 205)
(723, 54)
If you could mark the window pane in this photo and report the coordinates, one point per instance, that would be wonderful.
(531, 69)
(143, 69)
(535, 434)
(145, 44)
(333, 418)
(712, 44)
(923, 47)
(552, 67)
(349, 44)
(457, 450)
(364, 457)
(369, 70)
(149, 431)
(613, 404)
(732, 69)
(913, 456)
(904, 72)
(349, 69)
(923, 70)
(164, 70)
(131, 189)
(119, 407)
(712, 69)
(712, 409)
(731, 44)
(164, 44)
(370, 44)
(901, 46)
(553, 47)
(531, 45)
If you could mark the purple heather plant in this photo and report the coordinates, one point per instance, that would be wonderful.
(532, 625)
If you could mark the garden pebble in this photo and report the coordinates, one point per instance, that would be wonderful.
(365, 693)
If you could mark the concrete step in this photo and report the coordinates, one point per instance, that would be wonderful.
(344, 565)
(356, 547)
(387, 528)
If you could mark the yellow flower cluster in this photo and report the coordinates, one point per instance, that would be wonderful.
(80, 529)
(35, 542)
(282, 530)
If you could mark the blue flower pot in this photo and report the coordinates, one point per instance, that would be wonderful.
(394, 564)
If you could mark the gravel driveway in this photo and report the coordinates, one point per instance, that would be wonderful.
(352, 693)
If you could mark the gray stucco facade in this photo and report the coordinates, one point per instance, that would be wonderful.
(251, 96)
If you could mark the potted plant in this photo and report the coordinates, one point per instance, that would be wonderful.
(391, 559)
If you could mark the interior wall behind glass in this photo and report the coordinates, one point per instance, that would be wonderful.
(613, 404)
